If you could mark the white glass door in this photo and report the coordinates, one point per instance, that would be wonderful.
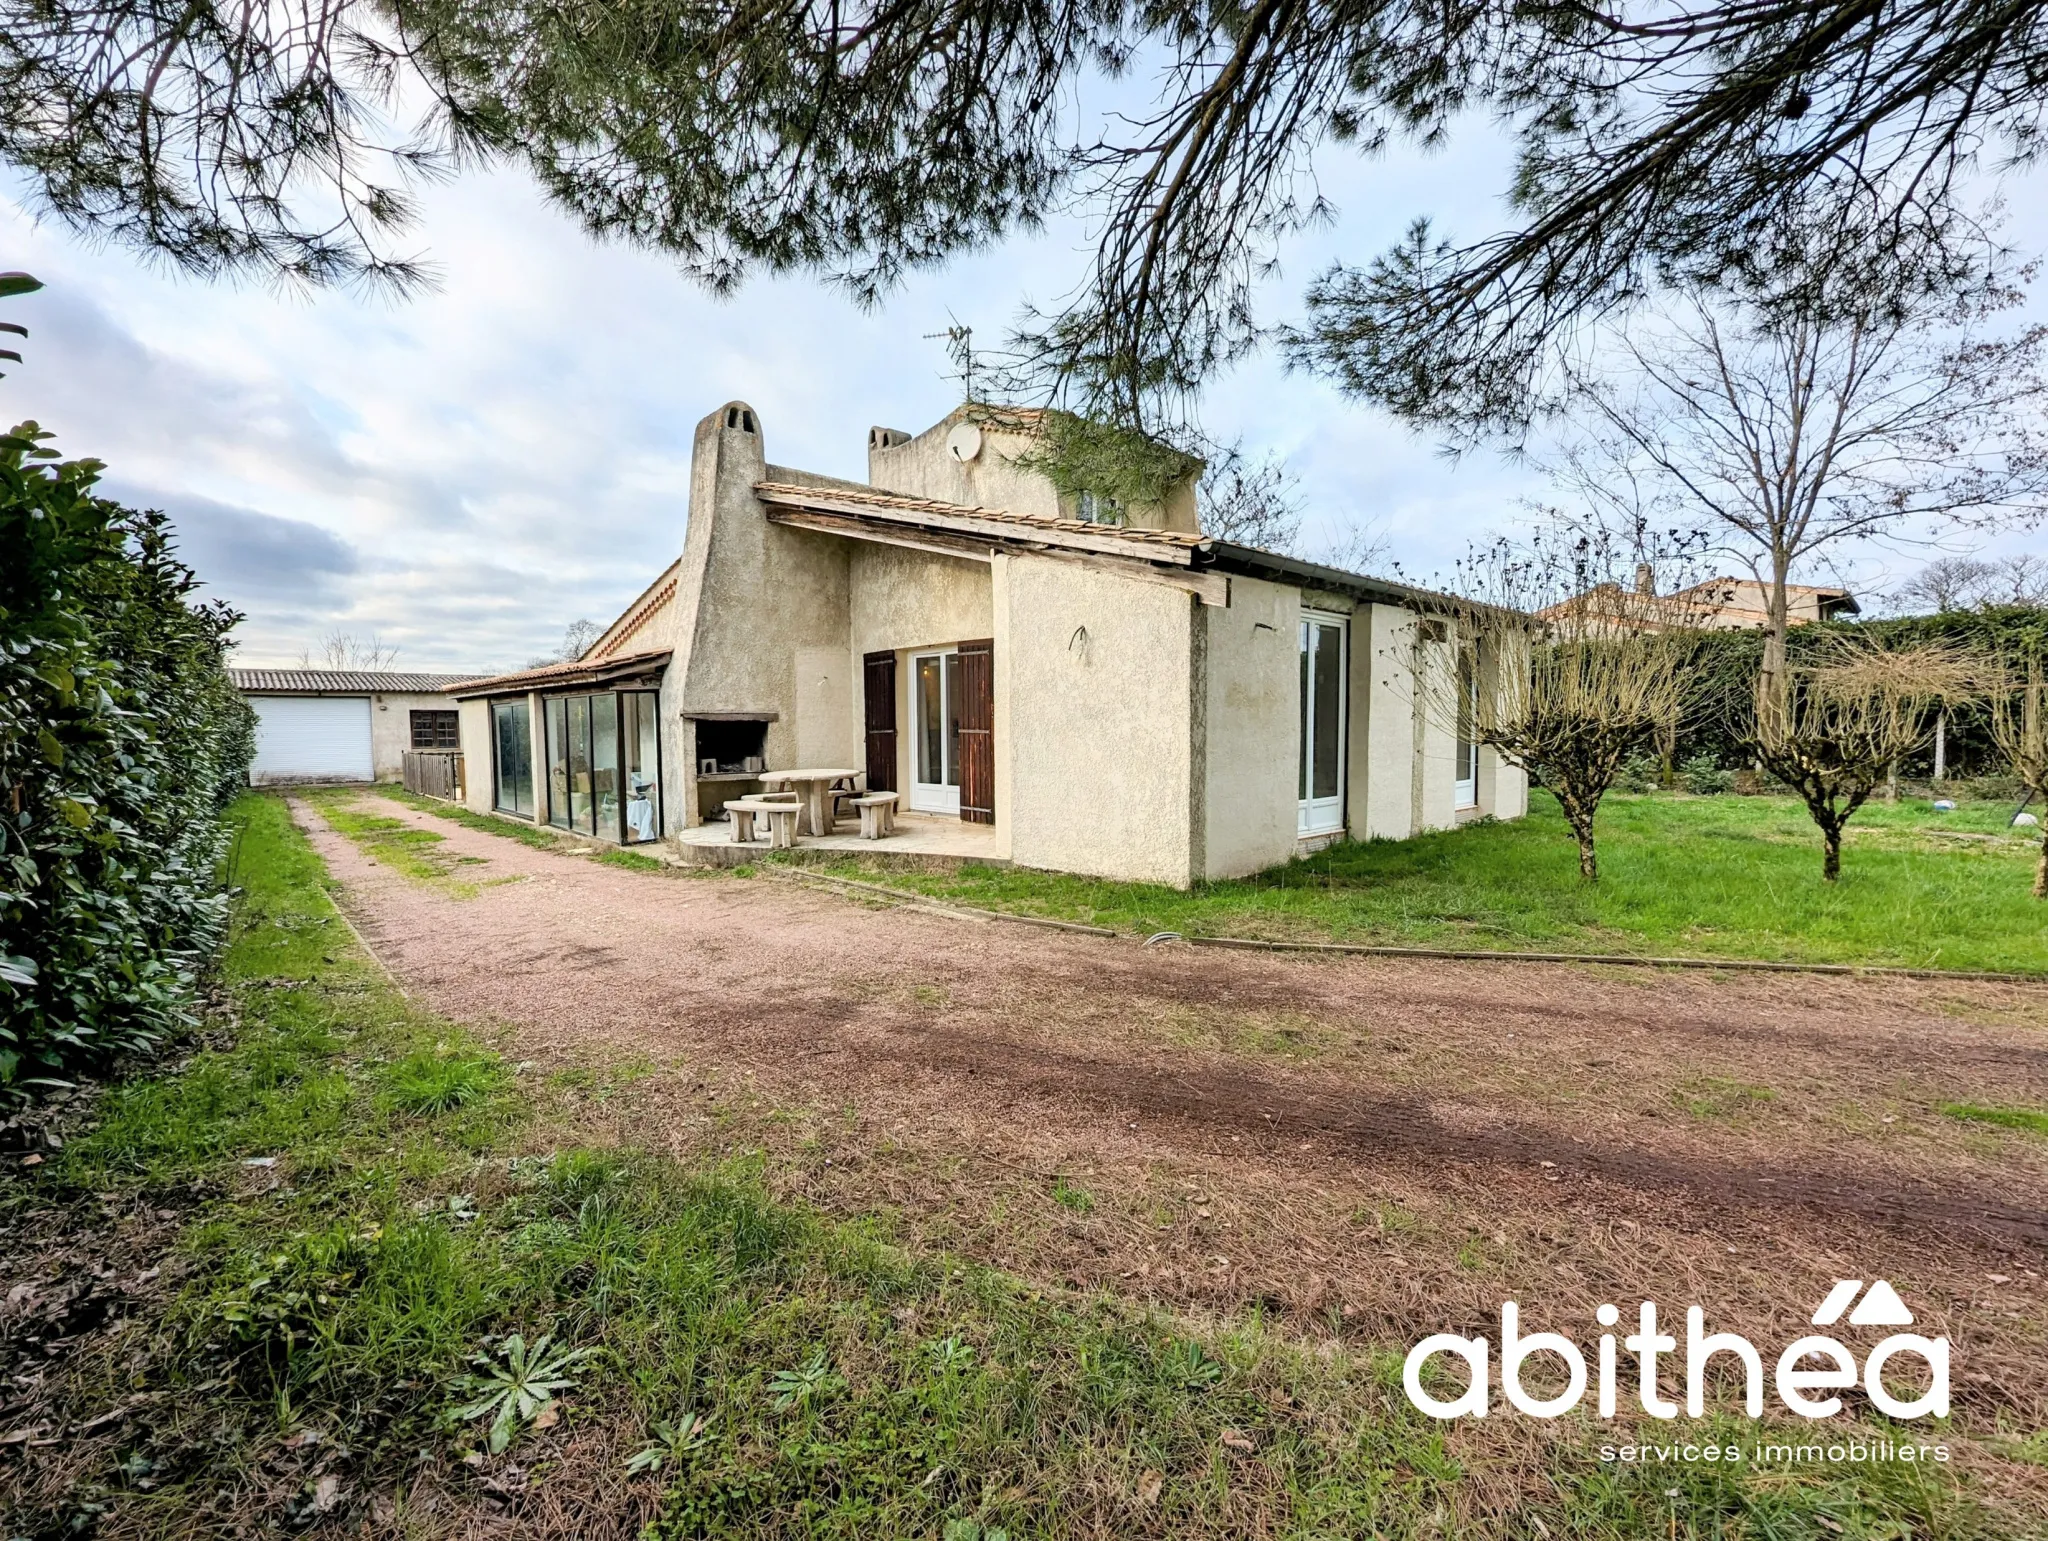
(935, 709)
(1466, 792)
(1323, 661)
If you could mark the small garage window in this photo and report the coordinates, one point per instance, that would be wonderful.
(436, 730)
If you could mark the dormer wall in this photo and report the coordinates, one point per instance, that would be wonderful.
(972, 456)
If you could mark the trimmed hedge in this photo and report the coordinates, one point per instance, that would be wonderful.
(1719, 704)
(121, 741)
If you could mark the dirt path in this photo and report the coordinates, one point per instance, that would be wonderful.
(1383, 1145)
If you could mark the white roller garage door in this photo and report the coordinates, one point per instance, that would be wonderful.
(311, 738)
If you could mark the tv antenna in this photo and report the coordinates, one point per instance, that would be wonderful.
(960, 349)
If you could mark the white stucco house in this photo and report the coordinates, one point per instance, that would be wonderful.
(1042, 679)
(343, 724)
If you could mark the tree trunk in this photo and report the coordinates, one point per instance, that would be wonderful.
(1580, 818)
(2041, 869)
(1891, 782)
(1831, 852)
(1941, 747)
(1772, 684)
(1667, 754)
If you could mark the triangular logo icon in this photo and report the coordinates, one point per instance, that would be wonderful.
(1881, 1308)
(1837, 1302)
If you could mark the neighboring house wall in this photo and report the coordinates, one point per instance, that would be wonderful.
(390, 727)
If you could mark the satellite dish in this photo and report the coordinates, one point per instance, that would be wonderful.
(964, 441)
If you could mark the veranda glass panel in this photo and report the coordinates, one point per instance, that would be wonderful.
(558, 761)
(643, 766)
(512, 736)
(581, 805)
(604, 766)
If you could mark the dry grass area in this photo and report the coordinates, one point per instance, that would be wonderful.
(1369, 1149)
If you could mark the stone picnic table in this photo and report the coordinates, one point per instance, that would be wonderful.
(814, 793)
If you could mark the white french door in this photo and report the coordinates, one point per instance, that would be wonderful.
(1325, 648)
(935, 713)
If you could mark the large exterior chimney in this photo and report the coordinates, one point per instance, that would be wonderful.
(1646, 579)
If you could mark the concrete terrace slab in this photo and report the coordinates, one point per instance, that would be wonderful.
(919, 837)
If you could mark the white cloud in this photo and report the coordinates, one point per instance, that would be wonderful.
(467, 472)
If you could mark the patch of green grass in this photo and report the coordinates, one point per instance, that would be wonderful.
(1734, 877)
(440, 1080)
(541, 837)
(1713, 1096)
(526, 832)
(632, 861)
(1072, 1196)
(2031, 1120)
(418, 853)
(791, 1375)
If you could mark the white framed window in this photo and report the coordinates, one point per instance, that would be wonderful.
(1325, 669)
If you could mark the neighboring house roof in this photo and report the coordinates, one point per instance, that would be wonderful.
(555, 676)
(300, 682)
(1712, 603)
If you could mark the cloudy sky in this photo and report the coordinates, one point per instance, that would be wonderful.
(464, 473)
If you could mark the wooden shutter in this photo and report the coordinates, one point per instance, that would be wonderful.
(978, 732)
(879, 676)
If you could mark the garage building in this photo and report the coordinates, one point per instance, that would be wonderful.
(344, 724)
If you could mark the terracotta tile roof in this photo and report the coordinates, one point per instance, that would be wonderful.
(340, 681)
(1168, 545)
(623, 630)
(569, 672)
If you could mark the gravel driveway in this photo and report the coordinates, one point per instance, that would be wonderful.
(1381, 1145)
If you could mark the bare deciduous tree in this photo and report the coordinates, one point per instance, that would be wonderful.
(1851, 714)
(1790, 432)
(1251, 501)
(1570, 663)
(1945, 584)
(1572, 704)
(577, 637)
(2019, 727)
(345, 650)
(1972, 583)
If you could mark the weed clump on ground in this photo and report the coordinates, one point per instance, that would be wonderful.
(2029, 1120)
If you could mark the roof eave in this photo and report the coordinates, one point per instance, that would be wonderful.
(526, 681)
(1253, 562)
